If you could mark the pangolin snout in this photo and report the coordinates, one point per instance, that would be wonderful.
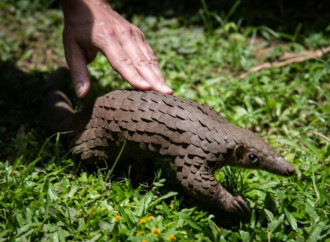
(290, 170)
(284, 168)
(278, 165)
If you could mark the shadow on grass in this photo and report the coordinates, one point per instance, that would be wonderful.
(20, 105)
(22, 124)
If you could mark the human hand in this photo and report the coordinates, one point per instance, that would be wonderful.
(92, 26)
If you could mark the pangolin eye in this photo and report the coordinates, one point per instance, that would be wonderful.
(253, 158)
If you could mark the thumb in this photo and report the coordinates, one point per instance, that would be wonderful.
(78, 69)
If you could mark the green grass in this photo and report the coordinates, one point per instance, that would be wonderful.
(45, 196)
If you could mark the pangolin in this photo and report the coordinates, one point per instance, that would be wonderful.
(196, 138)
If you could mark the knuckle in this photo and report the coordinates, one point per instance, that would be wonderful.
(153, 60)
(125, 61)
(138, 33)
(136, 30)
(142, 61)
(109, 32)
(143, 37)
(100, 36)
(126, 31)
(121, 63)
(106, 32)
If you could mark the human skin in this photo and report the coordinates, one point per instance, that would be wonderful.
(92, 26)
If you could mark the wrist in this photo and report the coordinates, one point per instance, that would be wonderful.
(75, 3)
(79, 8)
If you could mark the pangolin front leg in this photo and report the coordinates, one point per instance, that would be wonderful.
(198, 179)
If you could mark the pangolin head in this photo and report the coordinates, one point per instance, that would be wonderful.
(251, 151)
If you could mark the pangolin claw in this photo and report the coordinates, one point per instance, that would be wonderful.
(239, 206)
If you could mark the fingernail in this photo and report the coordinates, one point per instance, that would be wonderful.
(79, 88)
(167, 90)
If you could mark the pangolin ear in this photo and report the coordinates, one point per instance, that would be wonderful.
(239, 152)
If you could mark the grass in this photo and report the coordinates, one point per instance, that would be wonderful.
(45, 196)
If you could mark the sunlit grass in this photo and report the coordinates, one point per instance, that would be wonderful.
(45, 196)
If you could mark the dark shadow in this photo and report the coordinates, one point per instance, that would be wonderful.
(22, 122)
(279, 15)
(20, 105)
